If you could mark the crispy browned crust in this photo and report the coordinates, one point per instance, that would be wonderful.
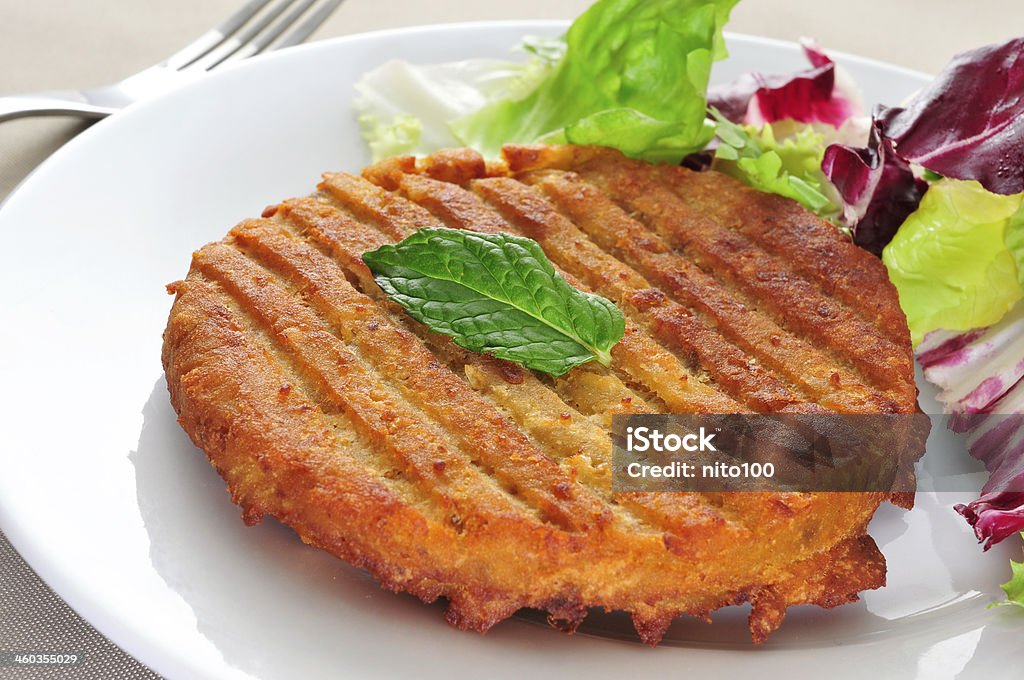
(449, 474)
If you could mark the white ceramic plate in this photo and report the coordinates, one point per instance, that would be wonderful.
(106, 498)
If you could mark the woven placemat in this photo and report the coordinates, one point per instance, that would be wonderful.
(33, 619)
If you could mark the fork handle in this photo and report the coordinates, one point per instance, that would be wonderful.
(50, 104)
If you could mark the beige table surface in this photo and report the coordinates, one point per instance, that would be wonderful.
(69, 43)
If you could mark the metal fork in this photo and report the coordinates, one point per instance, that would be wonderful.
(247, 32)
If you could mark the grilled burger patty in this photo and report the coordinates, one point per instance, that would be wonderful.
(446, 473)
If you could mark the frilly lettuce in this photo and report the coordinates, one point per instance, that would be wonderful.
(995, 515)
(773, 130)
(950, 261)
(630, 74)
(790, 166)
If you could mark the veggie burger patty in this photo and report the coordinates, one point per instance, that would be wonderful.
(446, 473)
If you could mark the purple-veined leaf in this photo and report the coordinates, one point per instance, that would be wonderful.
(995, 516)
(969, 123)
(878, 189)
(981, 377)
(820, 94)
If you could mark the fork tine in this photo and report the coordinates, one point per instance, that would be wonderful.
(215, 36)
(242, 38)
(261, 41)
(310, 24)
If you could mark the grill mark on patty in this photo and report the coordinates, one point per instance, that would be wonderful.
(744, 380)
(733, 314)
(797, 303)
(342, 379)
(314, 220)
(642, 359)
(397, 217)
(423, 380)
(782, 227)
(641, 364)
(646, 511)
(390, 213)
(486, 375)
(343, 241)
(586, 447)
(329, 439)
(461, 209)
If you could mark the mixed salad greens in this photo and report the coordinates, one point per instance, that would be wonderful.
(628, 74)
(935, 186)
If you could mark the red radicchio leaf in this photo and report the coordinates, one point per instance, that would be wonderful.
(807, 96)
(981, 377)
(998, 442)
(878, 188)
(969, 123)
(994, 516)
(996, 438)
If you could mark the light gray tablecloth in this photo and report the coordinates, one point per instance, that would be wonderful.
(72, 43)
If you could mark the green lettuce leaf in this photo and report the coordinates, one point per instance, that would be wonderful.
(398, 136)
(497, 294)
(405, 108)
(951, 260)
(790, 167)
(634, 76)
(1014, 588)
(634, 133)
(1015, 241)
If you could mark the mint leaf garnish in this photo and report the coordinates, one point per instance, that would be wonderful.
(497, 294)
